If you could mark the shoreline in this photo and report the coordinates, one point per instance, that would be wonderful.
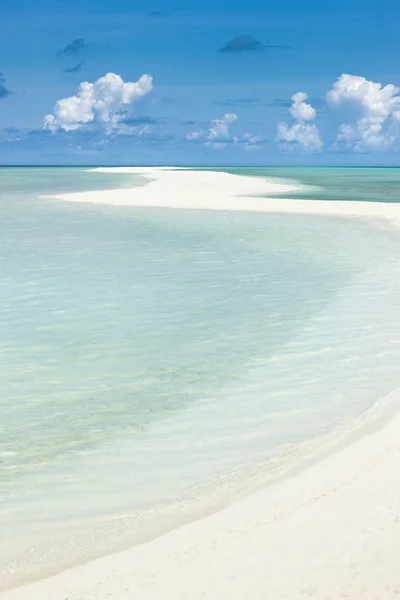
(181, 188)
(218, 494)
(328, 529)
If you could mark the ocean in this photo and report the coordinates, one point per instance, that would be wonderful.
(157, 363)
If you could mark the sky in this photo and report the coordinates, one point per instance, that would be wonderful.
(210, 82)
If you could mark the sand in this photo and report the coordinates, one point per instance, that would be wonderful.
(330, 531)
(215, 190)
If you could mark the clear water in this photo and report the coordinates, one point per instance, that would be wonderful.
(367, 184)
(147, 354)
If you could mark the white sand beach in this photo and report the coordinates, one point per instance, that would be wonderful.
(329, 531)
(217, 190)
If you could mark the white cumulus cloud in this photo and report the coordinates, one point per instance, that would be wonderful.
(305, 135)
(301, 110)
(219, 129)
(377, 108)
(218, 134)
(301, 134)
(102, 102)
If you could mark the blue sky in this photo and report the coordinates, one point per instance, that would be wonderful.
(272, 49)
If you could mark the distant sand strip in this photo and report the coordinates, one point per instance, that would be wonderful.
(170, 187)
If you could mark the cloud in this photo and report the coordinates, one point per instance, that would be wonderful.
(218, 134)
(301, 134)
(364, 116)
(4, 91)
(158, 14)
(240, 102)
(104, 102)
(219, 129)
(195, 135)
(301, 110)
(247, 43)
(75, 49)
(320, 104)
(376, 109)
(305, 136)
(280, 102)
(252, 142)
(75, 68)
(44, 143)
(74, 53)
(136, 126)
(10, 134)
(141, 120)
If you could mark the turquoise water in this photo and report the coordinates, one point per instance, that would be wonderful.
(23, 182)
(148, 354)
(372, 184)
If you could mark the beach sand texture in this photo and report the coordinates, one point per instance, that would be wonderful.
(329, 531)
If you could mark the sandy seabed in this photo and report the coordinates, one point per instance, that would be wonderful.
(329, 531)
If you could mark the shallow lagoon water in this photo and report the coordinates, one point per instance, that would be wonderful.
(146, 354)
